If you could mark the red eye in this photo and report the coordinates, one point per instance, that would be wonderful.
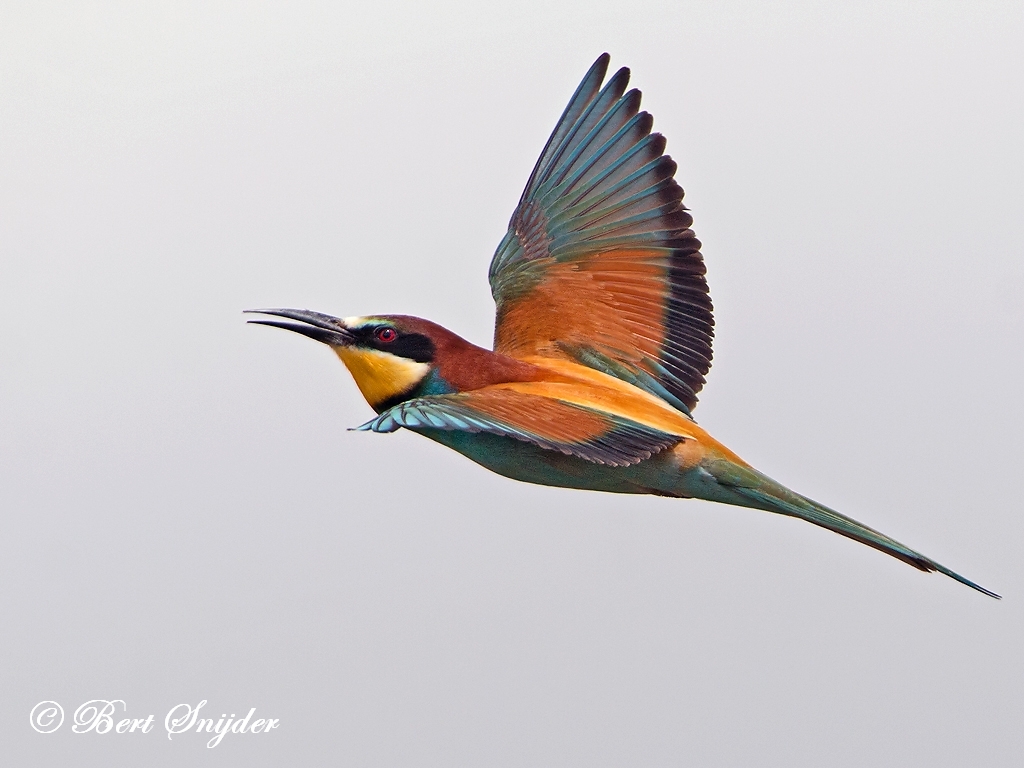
(386, 335)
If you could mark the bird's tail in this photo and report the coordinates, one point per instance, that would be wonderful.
(761, 492)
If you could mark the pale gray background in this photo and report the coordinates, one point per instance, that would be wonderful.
(185, 516)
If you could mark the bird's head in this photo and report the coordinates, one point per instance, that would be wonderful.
(391, 357)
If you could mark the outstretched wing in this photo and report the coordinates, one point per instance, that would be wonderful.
(599, 264)
(575, 430)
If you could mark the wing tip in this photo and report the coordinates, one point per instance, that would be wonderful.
(598, 69)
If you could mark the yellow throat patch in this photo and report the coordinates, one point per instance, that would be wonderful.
(381, 375)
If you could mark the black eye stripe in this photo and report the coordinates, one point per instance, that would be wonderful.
(413, 346)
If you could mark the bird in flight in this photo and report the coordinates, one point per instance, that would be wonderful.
(602, 335)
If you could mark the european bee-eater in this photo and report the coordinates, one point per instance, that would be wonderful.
(602, 337)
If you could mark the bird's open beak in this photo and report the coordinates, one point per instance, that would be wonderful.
(323, 328)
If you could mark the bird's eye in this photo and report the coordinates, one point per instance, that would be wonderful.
(386, 335)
